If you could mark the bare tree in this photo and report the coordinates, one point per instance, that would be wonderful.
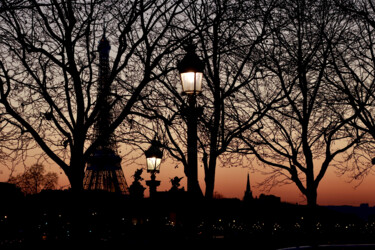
(229, 41)
(48, 71)
(352, 75)
(226, 35)
(35, 179)
(300, 138)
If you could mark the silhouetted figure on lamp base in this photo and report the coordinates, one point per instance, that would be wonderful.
(136, 189)
(175, 185)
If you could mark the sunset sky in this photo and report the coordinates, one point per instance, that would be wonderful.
(231, 183)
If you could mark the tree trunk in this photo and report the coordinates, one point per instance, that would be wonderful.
(311, 216)
(76, 175)
(76, 180)
(76, 172)
(210, 178)
(211, 171)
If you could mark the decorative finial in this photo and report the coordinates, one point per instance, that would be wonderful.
(189, 45)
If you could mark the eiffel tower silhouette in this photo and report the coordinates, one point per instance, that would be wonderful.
(103, 168)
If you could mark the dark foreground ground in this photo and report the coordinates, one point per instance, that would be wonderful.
(60, 220)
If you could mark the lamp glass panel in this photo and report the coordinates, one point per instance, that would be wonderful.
(153, 164)
(192, 82)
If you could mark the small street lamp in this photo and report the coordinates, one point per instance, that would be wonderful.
(153, 160)
(191, 74)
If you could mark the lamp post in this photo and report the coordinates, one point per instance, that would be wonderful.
(153, 160)
(191, 74)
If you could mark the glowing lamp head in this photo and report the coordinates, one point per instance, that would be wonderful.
(191, 82)
(191, 71)
(153, 157)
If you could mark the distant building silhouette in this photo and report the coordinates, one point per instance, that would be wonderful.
(9, 191)
(248, 194)
(269, 199)
(103, 170)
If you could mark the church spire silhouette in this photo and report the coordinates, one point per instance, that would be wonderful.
(248, 194)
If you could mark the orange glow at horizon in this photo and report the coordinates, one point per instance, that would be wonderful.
(231, 183)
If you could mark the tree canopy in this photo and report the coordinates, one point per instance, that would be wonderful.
(35, 179)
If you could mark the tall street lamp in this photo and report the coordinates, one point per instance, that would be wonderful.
(191, 74)
(153, 160)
